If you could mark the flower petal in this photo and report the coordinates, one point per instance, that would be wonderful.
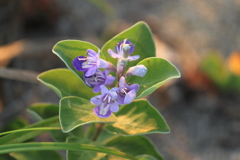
(125, 41)
(130, 96)
(90, 71)
(97, 100)
(96, 110)
(102, 63)
(104, 90)
(96, 88)
(122, 82)
(120, 100)
(91, 53)
(134, 86)
(106, 72)
(78, 63)
(113, 54)
(113, 93)
(109, 80)
(114, 107)
(138, 70)
(87, 80)
(133, 58)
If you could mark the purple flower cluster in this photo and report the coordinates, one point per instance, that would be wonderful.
(96, 75)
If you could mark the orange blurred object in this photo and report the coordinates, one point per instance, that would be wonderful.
(234, 63)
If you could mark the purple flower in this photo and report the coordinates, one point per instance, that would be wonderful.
(106, 102)
(99, 78)
(139, 70)
(126, 93)
(90, 63)
(126, 45)
(123, 49)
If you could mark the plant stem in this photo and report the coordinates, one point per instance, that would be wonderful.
(99, 127)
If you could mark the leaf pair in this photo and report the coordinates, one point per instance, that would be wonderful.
(136, 118)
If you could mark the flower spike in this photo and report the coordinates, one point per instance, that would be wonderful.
(123, 49)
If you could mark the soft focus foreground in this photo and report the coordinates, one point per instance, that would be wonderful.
(201, 38)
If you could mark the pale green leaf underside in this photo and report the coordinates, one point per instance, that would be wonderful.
(140, 35)
(76, 111)
(138, 118)
(65, 83)
(159, 72)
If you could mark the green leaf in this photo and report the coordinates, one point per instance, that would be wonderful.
(112, 157)
(146, 157)
(47, 110)
(159, 72)
(79, 155)
(16, 123)
(59, 146)
(141, 157)
(233, 83)
(37, 155)
(44, 110)
(213, 66)
(30, 129)
(68, 50)
(65, 83)
(138, 118)
(23, 136)
(140, 35)
(76, 111)
(6, 157)
(128, 145)
(134, 146)
(105, 137)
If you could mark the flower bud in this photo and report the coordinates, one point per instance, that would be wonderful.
(139, 70)
(124, 48)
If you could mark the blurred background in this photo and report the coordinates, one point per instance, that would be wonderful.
(202, 38)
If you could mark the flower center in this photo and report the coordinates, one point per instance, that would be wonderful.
(107, 99)
(89, 62)
(97, 78)
(105, 106)
(124, 91)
